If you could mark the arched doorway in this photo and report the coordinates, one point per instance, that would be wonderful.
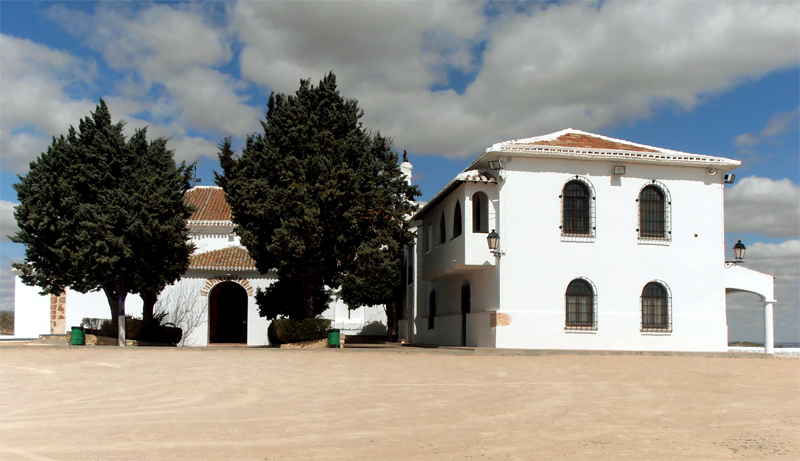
(228, 313)
(466, 306)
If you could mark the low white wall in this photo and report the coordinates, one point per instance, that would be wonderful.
(31, 311)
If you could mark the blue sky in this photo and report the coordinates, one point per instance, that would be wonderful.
(445, 80)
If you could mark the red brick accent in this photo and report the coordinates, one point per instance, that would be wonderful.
(210, 283)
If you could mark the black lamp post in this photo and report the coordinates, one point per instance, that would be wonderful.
(493, 239)
(738, 254)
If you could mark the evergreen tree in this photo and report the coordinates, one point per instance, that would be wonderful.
(314, 191)
(98, 212)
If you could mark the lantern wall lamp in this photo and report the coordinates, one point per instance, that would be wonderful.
(493, 239)
(738, 254)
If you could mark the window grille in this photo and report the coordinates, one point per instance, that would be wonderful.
(457, 225)
(656, 308)
(654, 214)
(578, 211)
(431, 309)
(581, 306)
(442, 230)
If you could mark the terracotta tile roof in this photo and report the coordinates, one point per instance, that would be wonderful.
(592, 142)
(230, 258)
(576, 144)
(209, 203)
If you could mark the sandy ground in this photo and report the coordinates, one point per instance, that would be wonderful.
(261, 404)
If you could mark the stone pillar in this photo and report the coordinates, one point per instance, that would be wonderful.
(58, 314)
(769, 335)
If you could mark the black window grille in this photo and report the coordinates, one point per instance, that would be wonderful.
(577, 211)
(442, 230)
(457, 225)
(581, 307)
(656, 308)
(431, 309)
(654, 208)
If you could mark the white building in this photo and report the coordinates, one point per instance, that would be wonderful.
(604, 244)
(215, 298)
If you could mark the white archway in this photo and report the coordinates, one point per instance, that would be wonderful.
(739, 279)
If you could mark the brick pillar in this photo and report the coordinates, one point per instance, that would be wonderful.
(58, 314)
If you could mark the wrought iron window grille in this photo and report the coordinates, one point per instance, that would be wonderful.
(656, 308)
(654, 206)
(578, 211)
(581, 306)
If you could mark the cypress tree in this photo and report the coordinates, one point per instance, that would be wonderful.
(312, 192)
(99, 212)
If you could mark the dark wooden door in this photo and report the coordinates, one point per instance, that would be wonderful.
(229, 314)
(466, 301)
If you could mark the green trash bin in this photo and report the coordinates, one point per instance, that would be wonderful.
(78, 337)
(333, 338)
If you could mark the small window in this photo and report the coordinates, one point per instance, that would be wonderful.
(577, 210)
(480, 213)
(457, 225)
(431, 309)
(581, 309)
(656, 308)
(654, 211)
(442, 230)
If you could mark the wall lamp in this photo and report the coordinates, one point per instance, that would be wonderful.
(493, 239)
(495, 164)
(738, 254)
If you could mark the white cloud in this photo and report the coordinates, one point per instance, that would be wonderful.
(562, 65)
(34, 101)
(8, 225)
(778, 124)
(745, 312)
(763, 205)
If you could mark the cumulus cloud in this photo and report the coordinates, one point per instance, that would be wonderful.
(745, 312)
(8, 225)
(763, 205)
(34, 103)
(562, 65)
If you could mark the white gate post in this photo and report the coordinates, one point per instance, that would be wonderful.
(769, 335)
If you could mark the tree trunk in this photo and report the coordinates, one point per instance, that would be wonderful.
(149, 298)
(113, 303)
(308, 299)
(391, 321)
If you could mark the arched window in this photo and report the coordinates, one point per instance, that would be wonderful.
(656, 315)
(581, 311)
(577, 209)
(654, 205)
(428, 237)
(442, 230)
(431, 309)
(480, 213)
(457, 226)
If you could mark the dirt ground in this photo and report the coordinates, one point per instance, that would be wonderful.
(266, 404)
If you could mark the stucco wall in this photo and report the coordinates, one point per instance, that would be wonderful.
(538, 265)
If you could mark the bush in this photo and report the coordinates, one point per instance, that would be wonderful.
(282, 331)
(136, 329)
(7, 322)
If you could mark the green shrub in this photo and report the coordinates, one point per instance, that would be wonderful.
(283, 331)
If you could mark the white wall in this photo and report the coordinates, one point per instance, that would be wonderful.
(538, 265)
(31, 311)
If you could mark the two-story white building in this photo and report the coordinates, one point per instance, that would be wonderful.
(604, 244)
